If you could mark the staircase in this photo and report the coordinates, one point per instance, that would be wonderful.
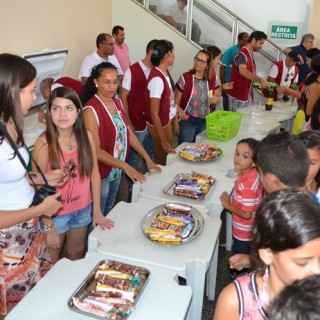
(219, 27)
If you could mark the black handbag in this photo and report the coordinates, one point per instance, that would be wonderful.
(45, 190)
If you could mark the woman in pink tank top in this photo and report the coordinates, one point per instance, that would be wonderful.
(67, 144)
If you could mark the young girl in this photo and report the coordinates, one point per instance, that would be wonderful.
(65, 140)
(285, 248)
(311, 140)
(247, 195)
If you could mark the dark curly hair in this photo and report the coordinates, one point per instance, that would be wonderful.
(89, 89)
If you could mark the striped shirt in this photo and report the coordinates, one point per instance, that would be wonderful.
(247, 196)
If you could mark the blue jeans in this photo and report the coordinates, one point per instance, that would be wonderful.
(225, 100)
(76, 219)
(146, 141)
(190, 128)
(109, 192)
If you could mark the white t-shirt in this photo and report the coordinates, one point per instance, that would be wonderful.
(287, 76)
(156, 88)
(16, 192)
(92, 60)
(127, 78)
(179, 16)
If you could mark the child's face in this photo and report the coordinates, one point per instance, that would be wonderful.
(243, 158)
(63, 113)
(314, 155)
(295, 264)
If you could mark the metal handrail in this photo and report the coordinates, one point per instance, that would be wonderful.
(233, 29)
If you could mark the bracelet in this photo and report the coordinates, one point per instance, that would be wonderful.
(48, 227)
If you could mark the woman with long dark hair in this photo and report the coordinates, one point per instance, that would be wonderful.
(23, 255)
(66, 141)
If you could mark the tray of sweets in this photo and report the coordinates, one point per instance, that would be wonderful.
(201, 152)
(172, 224)
(192, 185)
(110, 291)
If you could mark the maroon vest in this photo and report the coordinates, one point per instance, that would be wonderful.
(241, 86)
(187, 90)
(137, 98)
(278, 78)
(74, 84)
(107, 131)
(164, 101)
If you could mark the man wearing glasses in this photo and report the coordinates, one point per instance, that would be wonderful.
(226, 64)
(285, 73)
(105, 50)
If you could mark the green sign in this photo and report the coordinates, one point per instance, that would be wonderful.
(284, 32)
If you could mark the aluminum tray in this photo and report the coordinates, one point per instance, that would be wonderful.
(196, 228)
(168, 189)
(220, 152)
(89, 283)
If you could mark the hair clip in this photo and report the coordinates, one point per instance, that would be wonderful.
(155, 52)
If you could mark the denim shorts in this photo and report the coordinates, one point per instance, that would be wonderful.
(77, 219)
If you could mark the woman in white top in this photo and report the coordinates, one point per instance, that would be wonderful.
(161, 110)
(23, 256)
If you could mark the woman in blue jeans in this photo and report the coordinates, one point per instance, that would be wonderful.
(196, 91)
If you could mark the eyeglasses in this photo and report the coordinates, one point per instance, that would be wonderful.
(108, 44)
(287, 77)
(202, 62)
(109, 83)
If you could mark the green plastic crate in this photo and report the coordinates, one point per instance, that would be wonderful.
(223, 125)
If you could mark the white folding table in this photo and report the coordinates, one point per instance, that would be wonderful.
(162, 298)
(192, 261)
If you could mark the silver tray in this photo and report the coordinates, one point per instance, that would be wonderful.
(168, 189)
(89, 283)
(220, 153)
(195, 231)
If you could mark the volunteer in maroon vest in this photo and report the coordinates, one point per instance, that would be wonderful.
(105, 118)
(161, 109)
(197, 92)
(285, 72)
(133, 97)
(244, 72)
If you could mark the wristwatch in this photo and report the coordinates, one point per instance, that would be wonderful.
(48, 227)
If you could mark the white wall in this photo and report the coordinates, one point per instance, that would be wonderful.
(260, 14)
(34, 25)
(141, 27)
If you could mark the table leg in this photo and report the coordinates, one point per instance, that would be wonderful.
(135, 192)
(212, 273)
(228, 230)
(196, 274)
